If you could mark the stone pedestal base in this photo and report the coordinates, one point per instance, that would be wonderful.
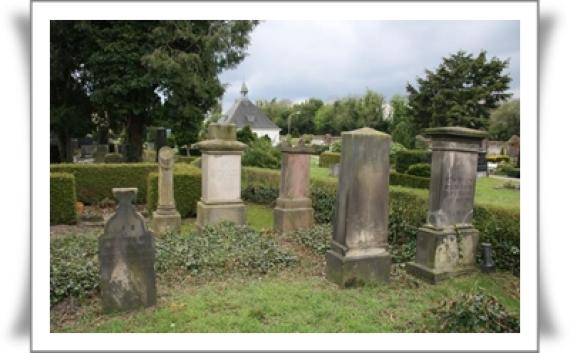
(290, 219)
(444, 253)
(210, 214)
(351, 271)
(166, 223)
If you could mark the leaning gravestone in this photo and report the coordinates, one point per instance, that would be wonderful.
(126, 258)
(293, 209)
(166, 219)
(221, 177)
(446, 245)
(360, 231)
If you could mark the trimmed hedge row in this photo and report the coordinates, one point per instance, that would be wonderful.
(62, 199)
(187, 189)
(406, 158)
(498, 158)
(410, 181)
(185, 159)
(327, 159)
(94, 182)
(499, 226)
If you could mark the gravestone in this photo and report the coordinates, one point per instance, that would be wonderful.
(334, 170)
(126, 258)
(446, 244)
(166, 219)
(360, 230)
(293, 209)
(100, 152)
(513, 149)
(221, 177)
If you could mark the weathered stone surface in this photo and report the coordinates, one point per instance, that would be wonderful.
(221, 177)
(100, 152)
(360, 228)
(166, 218)
(126, 258)
(446, 245)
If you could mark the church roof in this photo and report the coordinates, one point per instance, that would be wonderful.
(244, 113)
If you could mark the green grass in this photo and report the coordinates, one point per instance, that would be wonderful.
(489, 191)
(259, 217)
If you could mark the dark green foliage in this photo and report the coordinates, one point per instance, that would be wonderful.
(403, 130)
(336, 147)
(505, 121)
(114, 158)
(317, 238)
(420, 169)
(410, 181)
(245, 135)
(221, 249)
(462, 91)
(94, 182)
(62, 199)
(508, 170)
(262, 154)
(260, 185)
(474, 313)
(498, 158)
(74, 269)
(187, 190)
(404, 159)
(327, 159)
(395, 147)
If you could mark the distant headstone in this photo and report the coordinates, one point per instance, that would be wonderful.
(513, 149)
(221, 177)
(293, 209)
(334, 170)
(446, 244)
(360, 230)
(126, 258)
(100, 152)
(166, 219)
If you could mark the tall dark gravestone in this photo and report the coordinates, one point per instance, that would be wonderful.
(446, 245)
(126, 258)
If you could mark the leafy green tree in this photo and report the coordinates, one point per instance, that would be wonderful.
(141, 71)
(303, 120)
(462, 91)
(505, 121)
(245, 135)
(324, 119)
(277, 111)
(370, 111)
(404, 133)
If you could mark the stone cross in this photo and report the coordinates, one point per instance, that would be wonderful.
(166, 219)
(126, 258)
(221, 177)
(446, 244)
(293, 209)
(360, 230)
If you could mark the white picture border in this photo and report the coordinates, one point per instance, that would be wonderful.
(43, 12)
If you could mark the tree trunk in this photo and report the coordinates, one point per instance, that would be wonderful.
(135, 139)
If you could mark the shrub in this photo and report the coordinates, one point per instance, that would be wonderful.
(94, 182)
(420, 169)
(74, 269)
(395, 147)
(497, 158)
(261, 153)
(336, 147)
(327, 159)
(474, 313)
(404, 159)
(508, 170)
(187, 189)
(62, 199)
(113, 158)
(318, 149)
(410, 181)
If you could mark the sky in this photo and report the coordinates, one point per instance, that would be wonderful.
(297, 60)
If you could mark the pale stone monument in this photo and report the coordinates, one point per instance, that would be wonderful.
(447, 243)
(221, 177)
(360, 230)
(293, 209)
(166, 219)
(126, 258)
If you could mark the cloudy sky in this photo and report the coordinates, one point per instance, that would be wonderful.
(297, 60)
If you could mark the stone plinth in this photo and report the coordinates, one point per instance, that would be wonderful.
(293, 207)
(447, 243)
(360, 230)
(166, 219)
(126, 258)
(221, 177)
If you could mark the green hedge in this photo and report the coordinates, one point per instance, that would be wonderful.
(187, 189)
(114, 158)
(185, 159)
(497, 158)
(327, 159)
(404, 159)
(62, 199)
(94, 182)
(410, 181)
(420, 169)
(408, 210)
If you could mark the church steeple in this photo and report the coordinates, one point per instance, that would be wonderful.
(243, 90)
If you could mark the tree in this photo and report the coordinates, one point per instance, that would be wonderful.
(505, 121)
(371, 112)
(303, 120)
(324, 119)
(403, 130)
(462, 91)
(277, 111)
(140, 71)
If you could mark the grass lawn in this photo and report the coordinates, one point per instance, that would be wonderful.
(489, 191)
(297, 299)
